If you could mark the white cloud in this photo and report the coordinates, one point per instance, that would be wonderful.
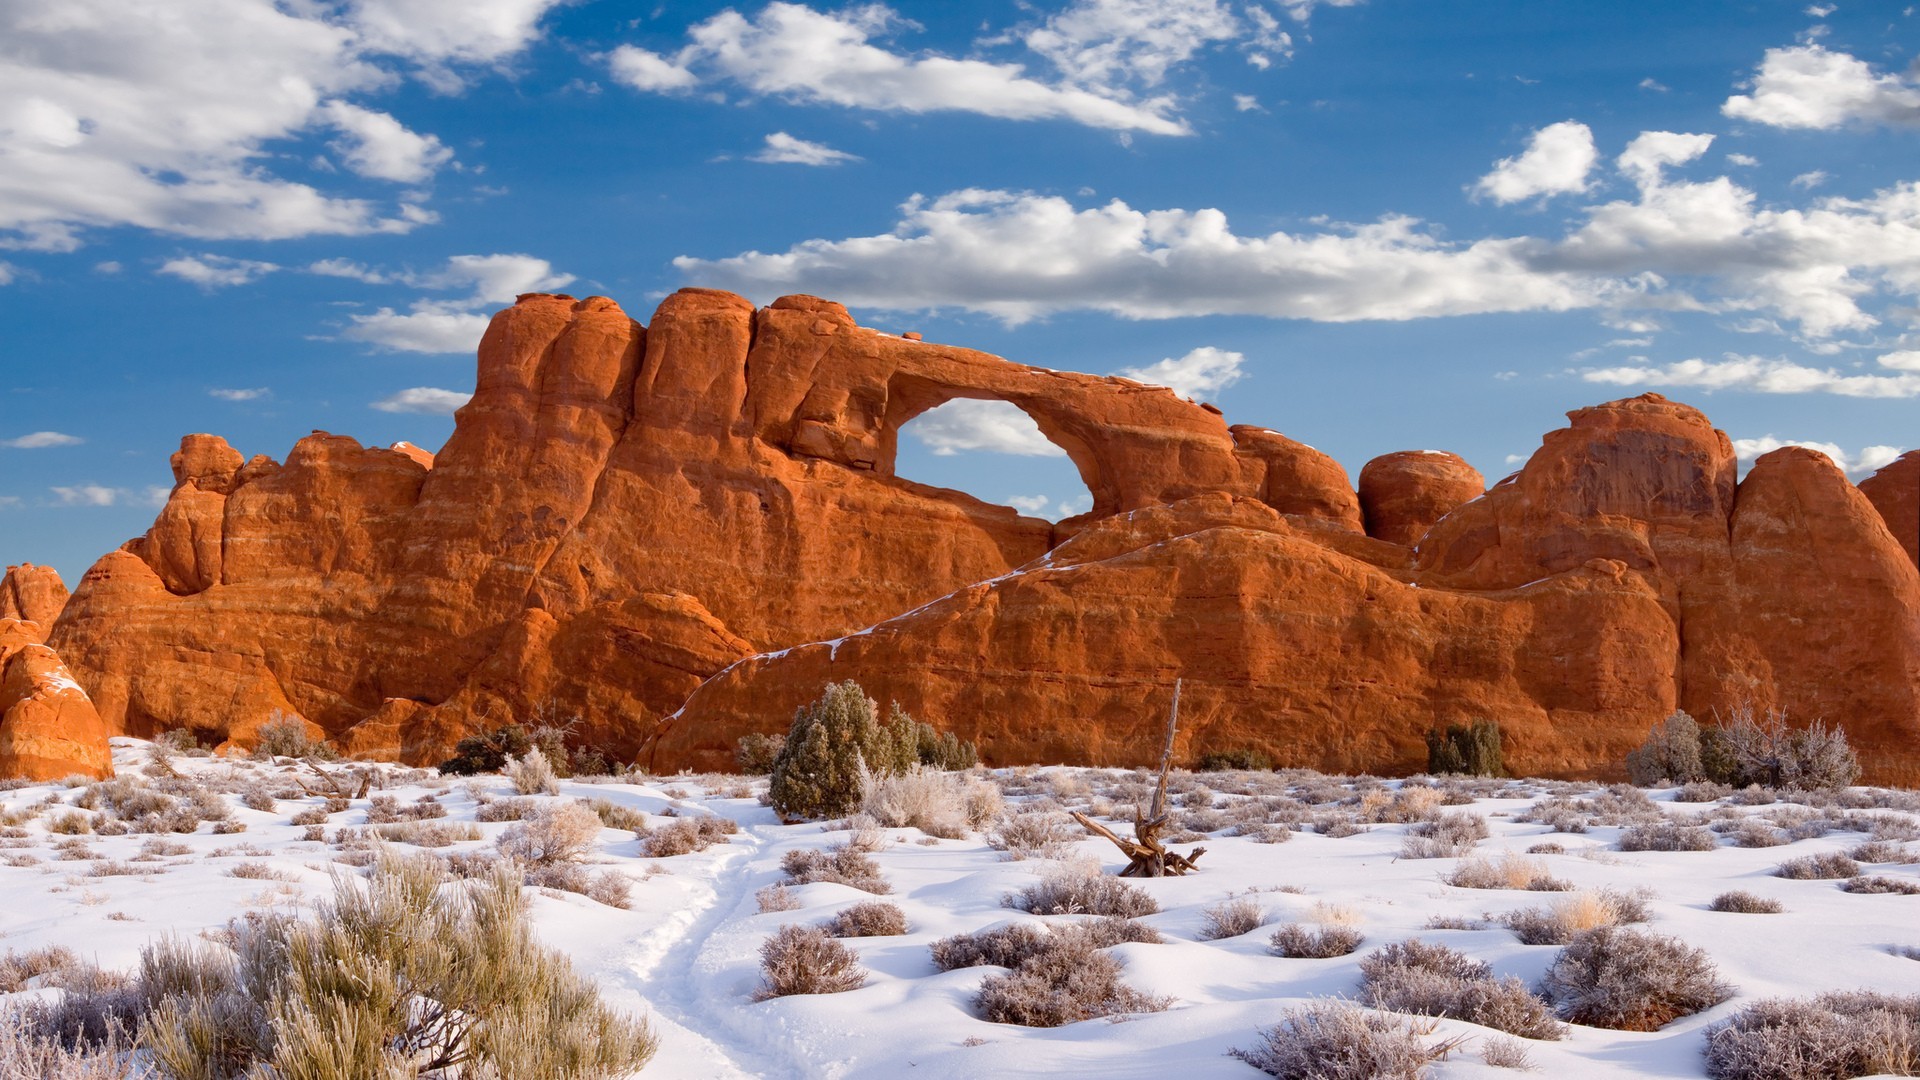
(784, 149)
(1746, 161)
(1019, 256)
(1199, 373)
(1556, 162)
(168, 117)
(346, 268)
(378, 146)
(1246, 103)
(1029, 504)
(253, 393)
(40, 440)
(421, 331)
(450, 325)
(1867, 460)
(89, 495)
(7, 272)
(1301, 10)
(965, 424)
(1653, 84)
(1767, 375)
(1807, 181)
(821, 58)
(1810, 86)
(1821, 11)
(424, 399)
(1904, 360)
(1109, 44)
(494, 279)
(1651, 152)
(216, 271)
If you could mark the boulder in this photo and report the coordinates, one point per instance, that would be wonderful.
(48, 726)
(1402, 494)
(32, 594)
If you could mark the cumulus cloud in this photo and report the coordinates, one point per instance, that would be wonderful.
(40, 440)
(1110, 44)
(1867, 460)
(1301, 10)
(1200, 372)
(1767, 375)
(996, 426)
(1042, 506)
(1811, 86)
(89, 495)
(1556, 162)
(424, 399)
(446, 325)
(165, 116)
(1651, 152)
(784, 149)
(253, 393)
(216, 271)
(829, 58)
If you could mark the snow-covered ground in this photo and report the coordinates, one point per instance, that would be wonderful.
(686, 952)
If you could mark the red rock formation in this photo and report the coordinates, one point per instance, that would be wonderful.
(645, 527)
(1895, 493)
(48, 727)
(32, 594)
(1403, 494)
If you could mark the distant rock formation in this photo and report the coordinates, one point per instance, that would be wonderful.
(48, 726)
(32, 594)
(678, 532)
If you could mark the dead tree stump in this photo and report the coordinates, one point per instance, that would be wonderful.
(1146, 855)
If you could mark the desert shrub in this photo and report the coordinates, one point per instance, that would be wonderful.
(1075, 890)
(843, 866)
(1817, 867)
(1832, 1037)
(1232, 918)
(506, 810)
(18, 970)
(1745, 903)
(943, 750)
(384, 809)
(487, 752)
(616, 816)
(564, 832)
(806, 960)
(755, 753)
(1631, 980)
(1058, 977)
(1878, 884)
(1003, 946)
(1752, 834)
(775, 898)
(1671, 752)
(1547, 847)
(1510, 871)
(1031, 834)
(1569, 916)
(1335, 1040)
(937, 803)
(869, 918)
(1666, 836)
(1505, 1053)
(1432, 980)
(1445, 837)
(1700, 791)
(1225, 760)
(1880, 851)
(532, 774)
(430, 834)
(70, 823)
(413, 973)
(32, 1049)
(682, 835)
(1752, 748)
(257, 798)
(1303, 942)
(831, 745)
(286, 736)
(1472, 748)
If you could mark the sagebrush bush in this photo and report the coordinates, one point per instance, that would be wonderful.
(617, 816)
(1232, 918)
(1303, 942)
(1880, 884)
(286, 736)
(1447, 836)
(1666, 836)
(1818, 867)
(1034, 834)
(1569, 916)
(1761, 748)
(807, 960)
(1473, 749)
(683, 835)
(832, 745)
(532, 774)
(842, 865)
(1414, 976)
(1631, 980)
(412, 973)
(1058, 976)
(1076, 890)
(31, 1049)
(1832, 1037)
(1671, 752)
(1745, 903)
(869, 918)
(1335, 1040)
(942, 804)
(564, 832)
(1510, 871)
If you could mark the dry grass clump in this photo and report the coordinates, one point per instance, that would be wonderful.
(1336, 1040)
(532, 774)
(257, 871)
(312, 815)
(1631, 980)
(1569, 916)
(942, 804)
(1504, 1053)
(1701, 791)
(1745, 903)
(1030, 834)
(1336, 824)
(1410, 803)
(1666, 836)
(775, 898)
(806, 960)
(414, 973)
(1832, 1037)
(869, 918)
(429, 834)
(1076, 889)
(1232, 918)
(1878, 884)
(1447, 836)
(31, 1048)
(18, 970)
(1818, 867)
(506, 810)
(562, 832)
(684, 835)
(1432, 980)
(1510, 871)
(839, 865)
(1333, 934)
(615, 816)
(385, 809)
(1749, 833)
(1881, 851)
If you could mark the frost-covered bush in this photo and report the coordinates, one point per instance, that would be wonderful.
(1879, 884)
(1447, 836)
(1569, 916)
(1232, 918)
(840, 865)
(1335, 1040)
(1033, 834)
(1303, 942)
(1745, 903)
(1832, 1037)
(560, 833)
(1671, 752)
(1631, 980)
(1077, 890)
(532, 774)
(1417, 977)
(1666, 836)
(807, 960)
(683, 835)
(286, 736)
(1818, 867)
(1753, 748)
(869, 918)
(937, 803)
(1058, 977)
(1510, 871)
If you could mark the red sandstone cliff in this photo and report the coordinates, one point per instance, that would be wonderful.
(646, 526)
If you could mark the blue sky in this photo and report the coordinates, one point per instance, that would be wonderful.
(1370, 224)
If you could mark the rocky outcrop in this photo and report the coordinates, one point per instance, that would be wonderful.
(48, 726)
(1895, 492)
(32, 594)
(677, 532)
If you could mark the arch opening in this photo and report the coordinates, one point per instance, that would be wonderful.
(991, 449)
